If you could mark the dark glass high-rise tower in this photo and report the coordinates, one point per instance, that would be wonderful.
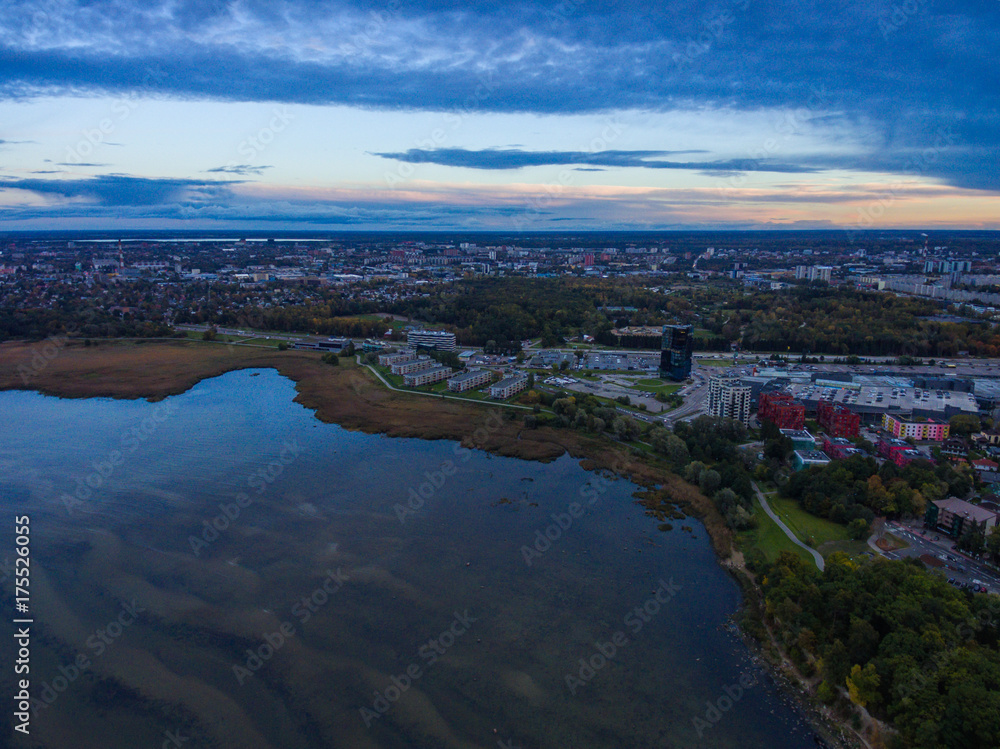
(675, 352)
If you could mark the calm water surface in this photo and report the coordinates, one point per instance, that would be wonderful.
(224, 568)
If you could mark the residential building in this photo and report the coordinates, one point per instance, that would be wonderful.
(837, 420)
(954, 516)
(808, 458)
(728, 399)
(474, 378)
(412, 365)
(396, 357)
(921, 429)
(435, 339)
(426, 376)
(676, 347)
(898, 451)
(508, 386)
(782, 409)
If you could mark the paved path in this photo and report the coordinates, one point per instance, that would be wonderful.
(770, 513)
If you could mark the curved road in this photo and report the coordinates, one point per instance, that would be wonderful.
(770, 513)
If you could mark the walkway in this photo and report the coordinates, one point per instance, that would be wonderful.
(771, 514)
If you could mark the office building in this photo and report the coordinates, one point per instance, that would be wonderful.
(676, 348)
(954, 516)
(435, 339)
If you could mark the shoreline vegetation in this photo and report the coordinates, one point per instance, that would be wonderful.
(351, 397)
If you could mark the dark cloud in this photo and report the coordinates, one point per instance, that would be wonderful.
(517, 159)
(904, 71)
(118, 190)
(241, 169)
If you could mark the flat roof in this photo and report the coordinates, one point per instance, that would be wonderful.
(812, 456)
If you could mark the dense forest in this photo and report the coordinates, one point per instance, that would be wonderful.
(895, 640)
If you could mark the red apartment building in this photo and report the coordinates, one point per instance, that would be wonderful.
(837, 420)
(782, 409)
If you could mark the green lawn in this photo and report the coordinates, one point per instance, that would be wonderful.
(769, 538)
(823, 535)
(657, 386)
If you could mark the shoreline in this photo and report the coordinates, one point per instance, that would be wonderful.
(351, 397)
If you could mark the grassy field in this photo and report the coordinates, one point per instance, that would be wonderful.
(769, 538)
(657, 386)
(823, 535)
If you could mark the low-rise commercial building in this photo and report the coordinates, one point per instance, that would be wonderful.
(508, 387)
(803, 459)
(474, 378)
(801, 438)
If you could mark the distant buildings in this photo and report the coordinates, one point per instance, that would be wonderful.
(923, 429)
(435, 339)
(676, 348)
(412, 365)
(898, 451)
(508, 387)
(813, 272)
(781, 409)
(728, 399)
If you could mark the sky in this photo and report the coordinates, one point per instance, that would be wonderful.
(499, 116)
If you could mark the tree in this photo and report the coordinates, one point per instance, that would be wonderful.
(210, 334)
(709, 481)
(964, 424)
(863, 685)
(563, 365)
(858, 528)
(282, 346)
(331, 359)
(531, 380)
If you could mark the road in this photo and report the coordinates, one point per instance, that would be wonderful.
(922, 541)
(771, 514)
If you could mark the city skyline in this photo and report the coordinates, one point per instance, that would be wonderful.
(536, 117)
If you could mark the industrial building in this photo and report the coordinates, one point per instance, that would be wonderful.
(440, 340)
(474, 378)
